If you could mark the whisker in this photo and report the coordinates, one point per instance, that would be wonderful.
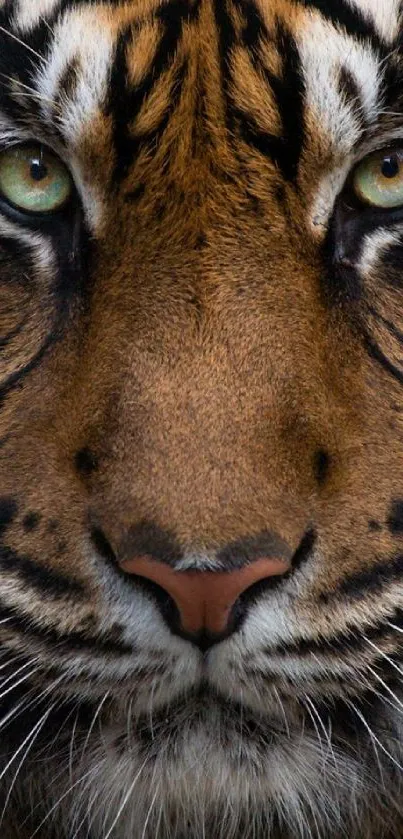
(282, 709)
(18, 682)
(35, 733)
(31, 92)
(393, 625)
(150, 809)
(37, 726)
(71, 746)
(386, 687)
(373, 736)
(126, 798)
(88, 804)
(93, 721)
(48, 26)
(384, 655)
(59, 801)
(322, 726)
(22, 44)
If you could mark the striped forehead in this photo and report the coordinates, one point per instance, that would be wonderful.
(85, 37)
(383, 13)
(331, 36)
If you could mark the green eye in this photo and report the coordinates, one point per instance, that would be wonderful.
(378, 179)
(33, 179)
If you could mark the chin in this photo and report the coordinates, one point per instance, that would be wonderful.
(206, 767)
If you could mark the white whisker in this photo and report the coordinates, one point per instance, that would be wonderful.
(22, 44)
(35, 733)
(93, 721)
(150, 809)
(126, 798)
(27, 91)
(59, 801)
(373, 736)
(37, 726)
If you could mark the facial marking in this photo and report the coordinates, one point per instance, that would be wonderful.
(8, 511)
(395, 518)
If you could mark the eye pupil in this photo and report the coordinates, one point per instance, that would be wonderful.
(390, 166)
(38, 170)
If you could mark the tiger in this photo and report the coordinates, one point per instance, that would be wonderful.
(201, 419)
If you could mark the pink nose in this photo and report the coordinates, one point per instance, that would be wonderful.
(204, 598)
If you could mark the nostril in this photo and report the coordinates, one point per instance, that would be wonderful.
(204, 607)
(166, 604)
(205, 599)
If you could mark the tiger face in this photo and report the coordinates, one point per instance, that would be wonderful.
(201, 419)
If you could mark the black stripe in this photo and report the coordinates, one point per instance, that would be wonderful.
(70, 642)
(71, 247)
(341, 13)
(47, 582)
(304, 550)
(267, 144)
(18, 250)
(151, 139)
(375, 352)
(66, 89)
(369, 580)
(125, 102)
(18, 61)
(254, 27)
(5, 340)
(391, 327)
(348, 641)
(136, 194)
(16, 379)
(7, 12)
(351, 93)
(289, 91)
(8, 512)
(226, 41)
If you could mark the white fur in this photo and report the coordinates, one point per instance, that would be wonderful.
(384, 13)
(43, 256)
(374, 246)
(29, 12)
(324, 51)
(215, 766)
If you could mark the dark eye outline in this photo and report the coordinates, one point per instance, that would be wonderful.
(34, 218)
(352, 200)
(350, 223)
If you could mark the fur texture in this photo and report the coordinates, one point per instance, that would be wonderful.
(206, 346)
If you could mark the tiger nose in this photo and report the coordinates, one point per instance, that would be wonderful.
(205, 599)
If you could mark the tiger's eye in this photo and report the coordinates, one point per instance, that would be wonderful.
(378, 179)
(33, 179)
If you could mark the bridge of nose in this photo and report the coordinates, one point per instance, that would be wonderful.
(205, 598)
